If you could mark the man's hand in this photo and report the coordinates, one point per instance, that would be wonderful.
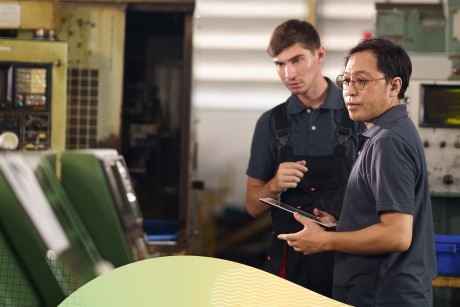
(288, 176)
(308, 240)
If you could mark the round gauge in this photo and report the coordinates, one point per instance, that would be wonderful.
(9, 141)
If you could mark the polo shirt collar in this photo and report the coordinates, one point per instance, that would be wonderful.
(384, 121)
(333, 100)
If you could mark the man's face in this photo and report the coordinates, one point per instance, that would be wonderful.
(298, 68)
(376, 97)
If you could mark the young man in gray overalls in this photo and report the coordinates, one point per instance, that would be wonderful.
(301, 153)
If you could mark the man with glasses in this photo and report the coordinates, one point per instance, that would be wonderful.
(311, 130)
(384, 243)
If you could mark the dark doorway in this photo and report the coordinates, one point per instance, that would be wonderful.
(152, 109)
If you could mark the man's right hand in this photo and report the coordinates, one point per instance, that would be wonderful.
(288, 176)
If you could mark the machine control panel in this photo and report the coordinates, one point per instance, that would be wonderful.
(25, 106)
(434, 107)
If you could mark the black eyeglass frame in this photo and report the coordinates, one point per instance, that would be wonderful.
(359, 84)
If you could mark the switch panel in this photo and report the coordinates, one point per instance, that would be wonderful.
(441, 144)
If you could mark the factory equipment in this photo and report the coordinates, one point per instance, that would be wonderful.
(27, 293)
(435, 109)
(48, 254)
(422, 27)
(99, 186)
(32, 94)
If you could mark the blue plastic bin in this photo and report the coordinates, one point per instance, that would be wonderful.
(447, 254)
(161, 230)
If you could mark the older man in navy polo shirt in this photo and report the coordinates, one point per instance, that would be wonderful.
(385, 252)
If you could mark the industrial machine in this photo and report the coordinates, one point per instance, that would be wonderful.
(32, 94)
(48, 253)
(434, 107)
(28, 293)
(423, 27)
(100, 188)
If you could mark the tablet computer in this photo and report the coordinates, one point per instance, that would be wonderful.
(278, 204)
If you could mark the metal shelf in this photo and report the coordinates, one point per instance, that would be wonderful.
(447, 281)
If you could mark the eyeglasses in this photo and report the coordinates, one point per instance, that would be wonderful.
(359, 84)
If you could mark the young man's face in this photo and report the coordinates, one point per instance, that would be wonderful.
(376, 97)
(298, 68)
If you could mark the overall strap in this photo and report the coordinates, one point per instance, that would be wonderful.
(281, 123)
(282, 129)
(343, 131)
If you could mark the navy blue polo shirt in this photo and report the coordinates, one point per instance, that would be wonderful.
(389, 174)
(312, 133)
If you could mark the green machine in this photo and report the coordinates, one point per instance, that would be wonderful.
(425, 28)
(46, 254)
(418, 27)
(20, 292)
(83, 257)
(99, 186)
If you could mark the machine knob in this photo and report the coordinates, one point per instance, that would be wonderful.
(448, 179)
(9, 141)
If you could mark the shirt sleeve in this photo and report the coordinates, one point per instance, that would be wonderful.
(263, 157)
(392, 174)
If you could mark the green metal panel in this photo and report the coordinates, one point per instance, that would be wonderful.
(84, 180)
(82, 257)
(425, 33)
(29, 246)
(391, 24)
(417, 27)
(15, 287)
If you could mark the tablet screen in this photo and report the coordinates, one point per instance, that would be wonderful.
(278, 204)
